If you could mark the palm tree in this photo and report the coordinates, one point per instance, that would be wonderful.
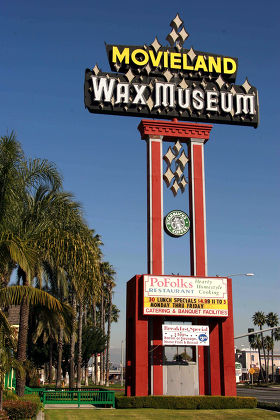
(260, 320)
(256, 345)
(268, 345)
(272, 320)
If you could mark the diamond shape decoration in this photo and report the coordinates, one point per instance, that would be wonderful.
(233, 91)
(148, 69)
(168, 75)
(96, 70)
(169, 156)
(172, 37)
(167, 177)
(183, 35)
(183, 84)
(191, 54)
(156, 45)
(220, 81)
(129, 75)
(246, 85)
(175, 188)
(177, 147)
(150, 103)
(176, 22)
(183, 183)
(178, 173)
(203, 83)
(182, 160)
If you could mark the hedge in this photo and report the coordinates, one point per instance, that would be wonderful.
(269, 405)
(188, 403)
(24, 407)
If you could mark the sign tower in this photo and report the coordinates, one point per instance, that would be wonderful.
(174, 83)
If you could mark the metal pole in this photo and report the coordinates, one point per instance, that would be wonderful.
(122, 363)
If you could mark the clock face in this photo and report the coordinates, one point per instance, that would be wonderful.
(176, 223)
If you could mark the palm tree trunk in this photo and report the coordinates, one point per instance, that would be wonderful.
(79, 361)
(108, 337)
(22, 345)
(72, 344)
(261, 371)
(272, 355)
(95, 355)
(50, 360)
(101, 325)
(264, 355)
(1, 399)
(59, 358)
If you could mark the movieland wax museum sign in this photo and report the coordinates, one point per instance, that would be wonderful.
(171, 82)
(188, 296)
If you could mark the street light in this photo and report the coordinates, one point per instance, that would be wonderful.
(239, 274)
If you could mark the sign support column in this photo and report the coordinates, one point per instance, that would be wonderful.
(155, 251)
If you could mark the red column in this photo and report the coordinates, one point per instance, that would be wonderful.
(155, 251)
(227, 348)
(155, 205)
(198, 240)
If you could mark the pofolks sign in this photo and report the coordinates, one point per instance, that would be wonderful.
(171, 82)
(186, 296)
(185, 335)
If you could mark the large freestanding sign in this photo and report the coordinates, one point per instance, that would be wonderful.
(175, 83)
(171, 82)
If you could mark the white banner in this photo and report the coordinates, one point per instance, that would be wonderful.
(185, 335)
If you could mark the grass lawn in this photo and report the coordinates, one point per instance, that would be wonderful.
(151, 414)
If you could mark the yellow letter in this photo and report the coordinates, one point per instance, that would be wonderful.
(214, 65)
(138, 62)
(185, 63)
(155, 61)
(175, 60)
(165, 58)
(228, 61)
(120, 56)
(200, 63)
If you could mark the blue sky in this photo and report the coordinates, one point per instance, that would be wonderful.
(45, 48)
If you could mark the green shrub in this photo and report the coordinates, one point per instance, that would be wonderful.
(20, 409)
(34, 399)
(188, 403)
(9, 395)
(269, 405)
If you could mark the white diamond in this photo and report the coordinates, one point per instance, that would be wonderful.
(175, 188)
(168, 75)
(246, 85)
(96, 70)
(233, 91)
(176, 22)
(220, 81)
(168, 176)
(129, 75)
(177, 147)
(150, 103)
(203, 83)
(117, 66)
(172, 37)
(178, 173)
(183, 183)
(148, 68)
(156, 45)
(191, 54)
(183, 84)
(169, 156)
(182, 160)
(183, 35)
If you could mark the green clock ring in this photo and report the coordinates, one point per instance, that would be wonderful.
(176, 223)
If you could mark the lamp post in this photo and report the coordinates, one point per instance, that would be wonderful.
(239, 274)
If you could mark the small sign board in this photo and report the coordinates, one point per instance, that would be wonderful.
(252, 371)
(185, 335)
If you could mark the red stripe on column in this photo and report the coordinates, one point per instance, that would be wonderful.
(200, 240)
(156, 195)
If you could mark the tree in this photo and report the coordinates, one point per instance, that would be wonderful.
(259, 319)
(272, 320)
